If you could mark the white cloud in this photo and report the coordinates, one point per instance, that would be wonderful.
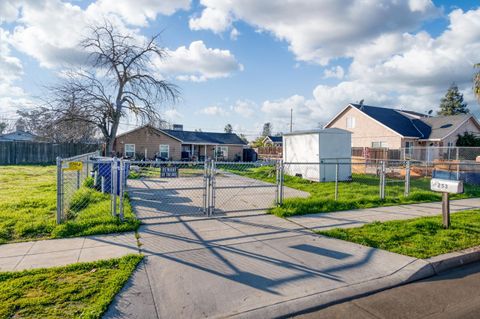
(199, 63)
(172, 115)
(12, 97)
(397, 70)
(234, 34)
(138, 12)
(212, 18)
(49, 30)
(278, 112)
(214, 110)
(336, 72)
(244, 108)
(8, 10)
(317, 30)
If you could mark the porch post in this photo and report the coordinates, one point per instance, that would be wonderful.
(191, 151)
(205, 151)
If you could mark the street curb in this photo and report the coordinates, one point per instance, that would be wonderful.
(454, 259)
(417, 270)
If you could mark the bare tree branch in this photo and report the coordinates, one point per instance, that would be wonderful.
(118, 82)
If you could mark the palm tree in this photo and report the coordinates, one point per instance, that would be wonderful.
(476, 82)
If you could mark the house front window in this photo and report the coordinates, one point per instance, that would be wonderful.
(379, 144)
(350, 122)
(129, 150)
(221, 151)
(164, 151)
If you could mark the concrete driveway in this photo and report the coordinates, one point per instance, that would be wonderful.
(244, 264)
(161, 197)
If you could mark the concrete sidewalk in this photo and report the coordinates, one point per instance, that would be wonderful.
(359, 217)
(259, 266)
(60, 252)
(249, 265)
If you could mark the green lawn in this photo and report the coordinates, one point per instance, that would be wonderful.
(82, 290)
(361, 192)
(420, 237)
(28, 207)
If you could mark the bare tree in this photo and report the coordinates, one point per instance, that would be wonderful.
(58, 128)
(117, 82)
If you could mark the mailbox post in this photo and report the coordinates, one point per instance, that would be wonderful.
(446, 187)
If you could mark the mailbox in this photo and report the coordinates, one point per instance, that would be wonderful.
(446, 186)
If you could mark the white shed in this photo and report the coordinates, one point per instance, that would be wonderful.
(313, 154)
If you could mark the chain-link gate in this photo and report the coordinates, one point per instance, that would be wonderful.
(243, 186)
(167, 188)
(210, 188)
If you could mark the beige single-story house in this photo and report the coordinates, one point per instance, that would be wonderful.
(376, 127)
(271, 140)
(148, 142)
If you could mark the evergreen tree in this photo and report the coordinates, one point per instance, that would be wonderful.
(452, 103)
(267, 129)
(3, 127)
(476, 82)
(228, 128)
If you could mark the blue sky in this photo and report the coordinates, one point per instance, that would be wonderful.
(247, 62)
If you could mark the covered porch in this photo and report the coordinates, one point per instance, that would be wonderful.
(201, 152)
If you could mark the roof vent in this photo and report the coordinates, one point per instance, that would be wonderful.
(177, 127)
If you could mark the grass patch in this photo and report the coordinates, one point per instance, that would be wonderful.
(361, 192)
(82, 290)
(420, 237)
(28, 207)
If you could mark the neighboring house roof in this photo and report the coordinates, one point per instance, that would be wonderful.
(274, 139)
(412, 124)
(191, 137)
(443, 126)
(18, 136)
(396, 121)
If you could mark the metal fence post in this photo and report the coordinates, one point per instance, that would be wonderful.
(59, 190)
(205, 186)
(121, 187)
(336, 181)
(282, 176)
(113, 186)
(407, 178)
(382, 180)
(277, 183)
(78, 179)
(212, 182)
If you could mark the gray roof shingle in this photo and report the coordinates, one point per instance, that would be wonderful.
(395, 120)
(206, 137)
(275, 139)
(419, 125)
(442, 126)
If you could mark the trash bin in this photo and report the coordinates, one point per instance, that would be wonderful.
(103, 168)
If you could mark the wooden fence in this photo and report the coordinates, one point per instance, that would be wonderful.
(40, 153)
(269, 152)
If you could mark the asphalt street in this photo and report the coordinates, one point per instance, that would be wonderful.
(453, 294)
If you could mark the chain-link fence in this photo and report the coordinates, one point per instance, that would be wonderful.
(159, 189)
(370, 181)
(418, 153)
(88, 183)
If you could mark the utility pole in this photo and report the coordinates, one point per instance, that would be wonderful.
(291, 119)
